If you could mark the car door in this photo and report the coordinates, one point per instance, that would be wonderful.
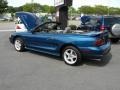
(43, 40)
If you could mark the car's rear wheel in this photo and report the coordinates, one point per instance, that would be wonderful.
(19, 45)
(71, 56)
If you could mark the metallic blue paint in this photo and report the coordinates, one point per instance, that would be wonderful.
(53, 43)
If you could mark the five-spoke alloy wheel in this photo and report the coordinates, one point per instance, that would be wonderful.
(19, 44)
(71, 55)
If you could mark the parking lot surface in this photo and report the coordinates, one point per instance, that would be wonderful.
(7, 25)
(36, 71)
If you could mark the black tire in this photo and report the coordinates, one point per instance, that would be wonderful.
(21, 42)
(114, 40)
(78, 54)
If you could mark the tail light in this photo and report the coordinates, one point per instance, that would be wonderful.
(99, 42)
(18, 27)
(102, 28)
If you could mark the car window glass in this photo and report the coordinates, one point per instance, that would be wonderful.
(109, 21)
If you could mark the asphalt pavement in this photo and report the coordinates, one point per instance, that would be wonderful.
(7, 26)
(36, 71)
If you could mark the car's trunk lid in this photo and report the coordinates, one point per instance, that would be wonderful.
(95, 33)
(99, 35)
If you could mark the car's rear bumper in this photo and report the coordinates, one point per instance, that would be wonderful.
(96, 56)
(96, 52)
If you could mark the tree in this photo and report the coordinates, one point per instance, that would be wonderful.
(101, 10)
(113, 11)
(32, 7)
(28, 7)
(86, 9)
(11, 9)
(48, 9)
(45, 9)
(3, 6)
(52, 9)
(17, 9)
(37, 8)
(72, 10)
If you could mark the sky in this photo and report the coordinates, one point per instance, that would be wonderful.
(76, 3)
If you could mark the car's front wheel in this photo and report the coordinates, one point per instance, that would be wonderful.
(19, 45)
(71, 55)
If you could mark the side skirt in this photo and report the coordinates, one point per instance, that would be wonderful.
(55, 54)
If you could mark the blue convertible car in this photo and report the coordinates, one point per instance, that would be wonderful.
(72, 45)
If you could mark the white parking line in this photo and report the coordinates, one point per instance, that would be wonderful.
(8, 30)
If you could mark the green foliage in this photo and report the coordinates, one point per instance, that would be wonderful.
(17, 9)
(11, 9)
(28, 7)
(86, 10)
(3, 6)
(48, 9)
(72, 10)
(101, 10)
(37, 8)
(113, 11)
(32, 7)
(52, 9)
(45, 8)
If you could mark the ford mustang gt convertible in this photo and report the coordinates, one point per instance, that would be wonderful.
(47, 37)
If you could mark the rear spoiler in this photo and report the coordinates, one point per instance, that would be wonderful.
(96, 33)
